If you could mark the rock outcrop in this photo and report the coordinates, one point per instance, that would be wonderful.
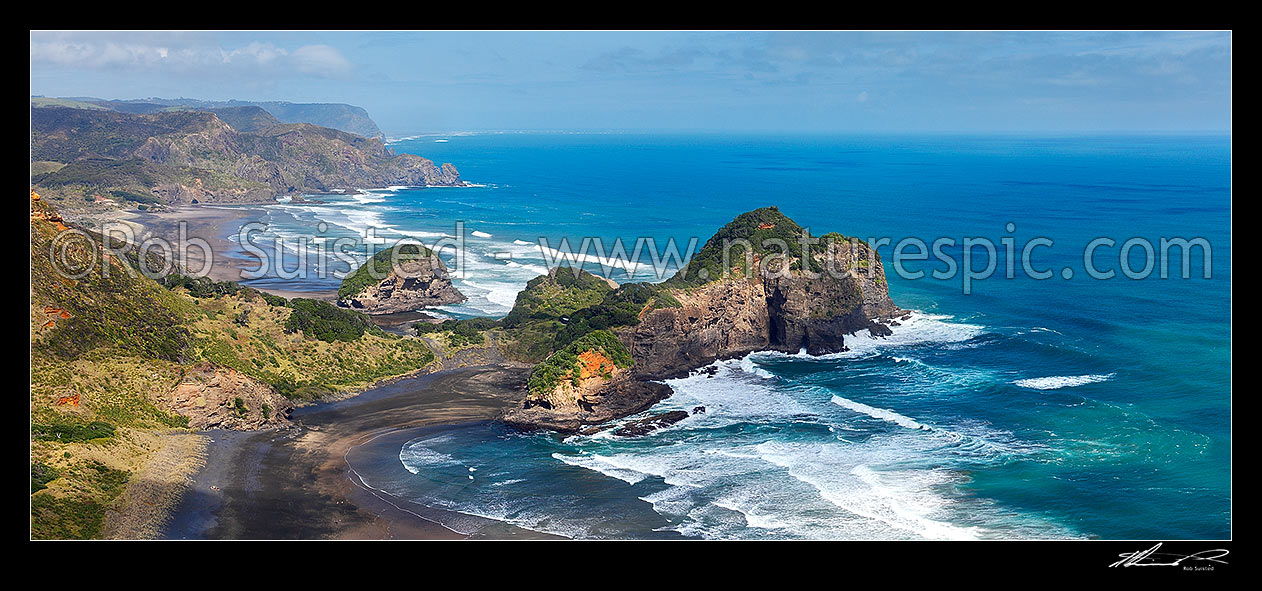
(747, 290)
(602, 401)
(410, 282)
(216, 397)
(774, 310)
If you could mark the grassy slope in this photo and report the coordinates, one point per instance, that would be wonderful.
(127, 337)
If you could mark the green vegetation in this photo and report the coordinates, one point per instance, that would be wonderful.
(82, 515)
(44, 101)
(141, 153)
(136, 197)
(461, 333)
(564, 364)
(558, 308)
(327, 322)
(41, 475)
(239, 405)
(120, 309)
(768, 232)
(72, 432)
(379, 267)
(201, 287)
(558, 294)
(248, 119)
(621, 307)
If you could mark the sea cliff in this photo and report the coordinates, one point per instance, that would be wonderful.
(186, 157)
(748, 289)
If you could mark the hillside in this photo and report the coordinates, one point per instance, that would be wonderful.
(124, 366)
(343, 117)
(180, 157)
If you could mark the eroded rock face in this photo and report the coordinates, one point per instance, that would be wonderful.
(810, 298)
(605, 401)
(411, 285)
(208, 395)
(719, 320)
(779, 310)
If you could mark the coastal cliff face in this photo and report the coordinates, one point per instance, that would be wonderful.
(185, 157)
(762, 298)
(776, 310)
(243, 115)
(214, 397)
(413, 282)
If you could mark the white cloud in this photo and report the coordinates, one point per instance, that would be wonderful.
(321, 60)
(178, 55)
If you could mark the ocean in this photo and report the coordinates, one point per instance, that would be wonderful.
(1025, 408)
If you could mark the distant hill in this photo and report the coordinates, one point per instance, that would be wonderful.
(193, 156)
(248, 119)
(343, 117)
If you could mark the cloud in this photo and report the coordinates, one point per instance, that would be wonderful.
(321, 60)
(194, 55)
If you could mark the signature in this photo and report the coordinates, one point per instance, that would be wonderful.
(1151, 557)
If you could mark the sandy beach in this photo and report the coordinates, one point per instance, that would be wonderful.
(301, 483)
(214, 225)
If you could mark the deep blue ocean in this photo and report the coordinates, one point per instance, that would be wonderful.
(1028, 408)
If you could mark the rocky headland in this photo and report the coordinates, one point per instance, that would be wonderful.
(761, 283)
(200, 156)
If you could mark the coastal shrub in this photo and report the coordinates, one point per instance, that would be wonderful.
(464, 332)
(327, 322)
(620, 307)
(135, 197)
(306, 390)
(558, 294)
(378, 267)
(273, 300)
(81, 516)
(41, 475)
(201, 287)
(563, 364)
(72, 432)
(239, 405)
(768, 232)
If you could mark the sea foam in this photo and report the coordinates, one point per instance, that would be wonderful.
(1057, 382)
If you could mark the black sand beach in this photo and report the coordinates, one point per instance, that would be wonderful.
(297, 484)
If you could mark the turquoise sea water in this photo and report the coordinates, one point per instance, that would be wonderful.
(1027, 408)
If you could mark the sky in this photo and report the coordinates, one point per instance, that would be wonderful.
(721, 81)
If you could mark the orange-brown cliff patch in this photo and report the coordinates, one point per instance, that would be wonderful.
(593, 363)
(68, 400)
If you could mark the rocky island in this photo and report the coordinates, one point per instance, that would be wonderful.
(404, 278)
